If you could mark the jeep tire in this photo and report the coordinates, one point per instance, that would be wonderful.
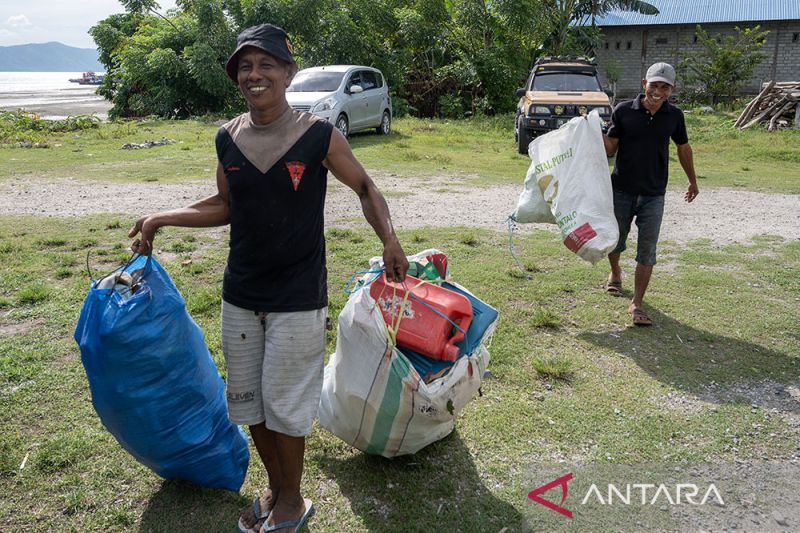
(524, 137)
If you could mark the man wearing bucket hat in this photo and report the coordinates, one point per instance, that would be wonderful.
(639, 135)
(271, 181)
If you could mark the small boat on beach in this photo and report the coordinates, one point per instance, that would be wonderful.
(89, 78)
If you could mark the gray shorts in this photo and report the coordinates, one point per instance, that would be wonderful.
(275, 367)
(648, 210)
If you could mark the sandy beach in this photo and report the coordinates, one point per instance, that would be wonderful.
(50, 96)
(58, 104)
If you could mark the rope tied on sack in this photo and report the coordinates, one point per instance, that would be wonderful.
(354, 285)
(512, 226)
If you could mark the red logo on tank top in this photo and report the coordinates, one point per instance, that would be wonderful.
(296, 169)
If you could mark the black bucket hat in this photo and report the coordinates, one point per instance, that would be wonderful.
(271, 39)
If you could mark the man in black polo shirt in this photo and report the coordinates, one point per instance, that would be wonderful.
(639, 134)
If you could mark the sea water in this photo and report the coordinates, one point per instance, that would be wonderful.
(50, 94)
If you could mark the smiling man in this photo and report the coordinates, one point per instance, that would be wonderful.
(272, 180)
(639, 134)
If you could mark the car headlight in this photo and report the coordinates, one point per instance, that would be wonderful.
(324, 105)
(540, 110)
(559, 110)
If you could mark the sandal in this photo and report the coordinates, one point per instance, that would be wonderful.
(640, 318)
(614, 288)
(297, 524)
(261, 518)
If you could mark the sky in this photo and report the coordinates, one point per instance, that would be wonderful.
(65, 21)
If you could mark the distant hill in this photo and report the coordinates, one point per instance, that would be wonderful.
(48, 57)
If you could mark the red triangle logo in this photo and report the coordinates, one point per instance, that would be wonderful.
(535, 495)
(296, 169)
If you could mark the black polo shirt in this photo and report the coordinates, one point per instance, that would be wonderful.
(642, 165)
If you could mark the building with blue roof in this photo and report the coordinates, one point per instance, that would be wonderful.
(634, 41)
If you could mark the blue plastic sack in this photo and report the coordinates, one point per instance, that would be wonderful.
(425, 365)
(483, 316)
(153, 382)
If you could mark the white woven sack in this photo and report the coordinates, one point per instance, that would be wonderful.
(531, 206)
(374, 399)
(569, 169)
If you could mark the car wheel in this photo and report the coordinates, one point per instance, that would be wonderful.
(386, 124)
(524, 137)
(343, 125)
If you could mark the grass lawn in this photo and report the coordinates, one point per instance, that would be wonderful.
(570, 380)
(481, 151)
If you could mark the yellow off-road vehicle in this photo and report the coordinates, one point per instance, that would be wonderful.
(558, 89)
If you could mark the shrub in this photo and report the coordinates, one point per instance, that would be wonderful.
(723, 66)
(554, 367)
(33, 294)
(451, 106)
(543, 318)
(29, 129)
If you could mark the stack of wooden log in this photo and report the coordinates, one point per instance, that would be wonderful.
(776, 105)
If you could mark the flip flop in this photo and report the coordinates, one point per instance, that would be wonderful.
(640, 318)
(614, 288)
(260, 518)
(296, 524)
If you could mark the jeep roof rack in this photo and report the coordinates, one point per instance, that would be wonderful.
(566, 59)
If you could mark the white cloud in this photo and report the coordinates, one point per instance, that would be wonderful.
(4, 32)
(65, 21)
(18, 21)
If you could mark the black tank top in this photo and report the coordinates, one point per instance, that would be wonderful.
(276, 260)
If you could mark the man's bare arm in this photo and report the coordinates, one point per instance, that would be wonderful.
(611, 144)
(686, 159)
(343, 164)
(211, 211)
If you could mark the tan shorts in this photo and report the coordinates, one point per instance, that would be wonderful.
(275, 366)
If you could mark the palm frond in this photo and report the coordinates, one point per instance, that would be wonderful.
(638, 6)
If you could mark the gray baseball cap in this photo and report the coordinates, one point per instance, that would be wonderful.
(661, 72)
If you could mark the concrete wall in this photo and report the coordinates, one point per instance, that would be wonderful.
(637, 47)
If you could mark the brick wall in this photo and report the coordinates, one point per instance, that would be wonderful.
(635, 48)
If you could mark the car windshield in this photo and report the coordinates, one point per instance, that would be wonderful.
(565, 81)
(315, 82)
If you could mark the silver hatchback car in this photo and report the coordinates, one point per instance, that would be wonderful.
(352, 97)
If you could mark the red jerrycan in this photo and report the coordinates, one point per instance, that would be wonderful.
(423, 327)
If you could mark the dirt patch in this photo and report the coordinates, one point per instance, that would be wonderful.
(776, 398)
(723, 216)
(18, 328)
(782, 400)
(686, 404)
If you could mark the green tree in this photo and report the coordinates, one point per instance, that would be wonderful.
(613, 74)
(472, 52)
(151, 74)
(723, 65)
(169, 66)
(491, 44)
(422, 49)
(572, 28)
(110, 35)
